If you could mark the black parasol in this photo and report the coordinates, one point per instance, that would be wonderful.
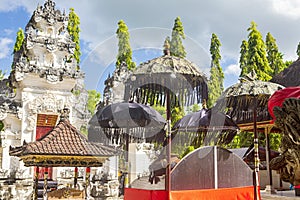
(170, 81)
(247, 102)
(139, 121)
(207, 126)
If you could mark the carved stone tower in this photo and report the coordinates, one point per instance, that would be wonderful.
(114, 85)
(45, 78)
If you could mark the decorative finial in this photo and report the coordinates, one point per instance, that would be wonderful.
(64, 113)
(167, 46)
(251, 76)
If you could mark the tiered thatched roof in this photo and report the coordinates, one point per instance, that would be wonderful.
(290, 76)
(63, 146)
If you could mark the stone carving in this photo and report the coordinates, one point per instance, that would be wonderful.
(288, 120)
(30, 122)
(8, 106)
(3, 113)
(46, 103)
(44, 32)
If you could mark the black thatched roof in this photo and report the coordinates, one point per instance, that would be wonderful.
(238, 100)
(290, 76)
(153, 79)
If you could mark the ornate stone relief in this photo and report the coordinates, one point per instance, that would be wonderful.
(47, 103)
(3, 113)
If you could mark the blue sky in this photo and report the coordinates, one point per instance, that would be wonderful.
(150, 22)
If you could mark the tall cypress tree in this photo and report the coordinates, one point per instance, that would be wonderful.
(244, 58)
(275, 58)
(125, 52)
(257, 55)
(73, 29)
(177, 48)
(19, 40)
(215, 85)
(298, 50)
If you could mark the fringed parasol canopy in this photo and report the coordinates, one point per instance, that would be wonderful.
(238, 100)
(141, 123)
(205, 127)
(150, 82)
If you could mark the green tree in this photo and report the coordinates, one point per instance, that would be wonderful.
(244, 58)
(298, 50)
(288, 63)
(160, 109)
(19, 40)
(215, 84)
(195, 108)
(125, 52)
(2, 75)
(176, 114)
(187, 151)
(73, 29)
(176, 46)
(243, 139)
(93, 99)
(275, 58)
(257, 55)
(1, 126)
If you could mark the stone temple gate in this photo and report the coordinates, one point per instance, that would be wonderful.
(44, 79)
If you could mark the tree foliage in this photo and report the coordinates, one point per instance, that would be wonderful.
(19, 40)
(215, 84)
(125, 52)
(1, 126)
(73, 29)
(275, 58)
(2, 74)
(177, 113)
(244, 58)
(176, 46)
(257, 55)
(298, 50)
(93, 99)
(187, 151)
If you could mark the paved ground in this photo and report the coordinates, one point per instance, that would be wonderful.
(288, 195)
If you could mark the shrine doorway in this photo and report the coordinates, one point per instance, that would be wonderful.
(45, 123)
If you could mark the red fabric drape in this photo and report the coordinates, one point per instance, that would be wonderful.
(279, 96)
(242, 193)
(139, 194)
(41, 131)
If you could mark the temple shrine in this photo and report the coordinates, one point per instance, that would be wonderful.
(45, 78)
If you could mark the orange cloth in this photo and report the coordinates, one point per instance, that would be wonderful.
(242, 193)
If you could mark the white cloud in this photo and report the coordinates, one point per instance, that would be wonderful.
(8, 32)
(229, 20)
(232, 69)
(289, 8)
(5, 49)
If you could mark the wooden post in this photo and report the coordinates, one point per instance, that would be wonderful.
(269, 188)
(87, 182)
(36, 182)
(45, 196)
(169, 142)
(256, 156)
(75, 176)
